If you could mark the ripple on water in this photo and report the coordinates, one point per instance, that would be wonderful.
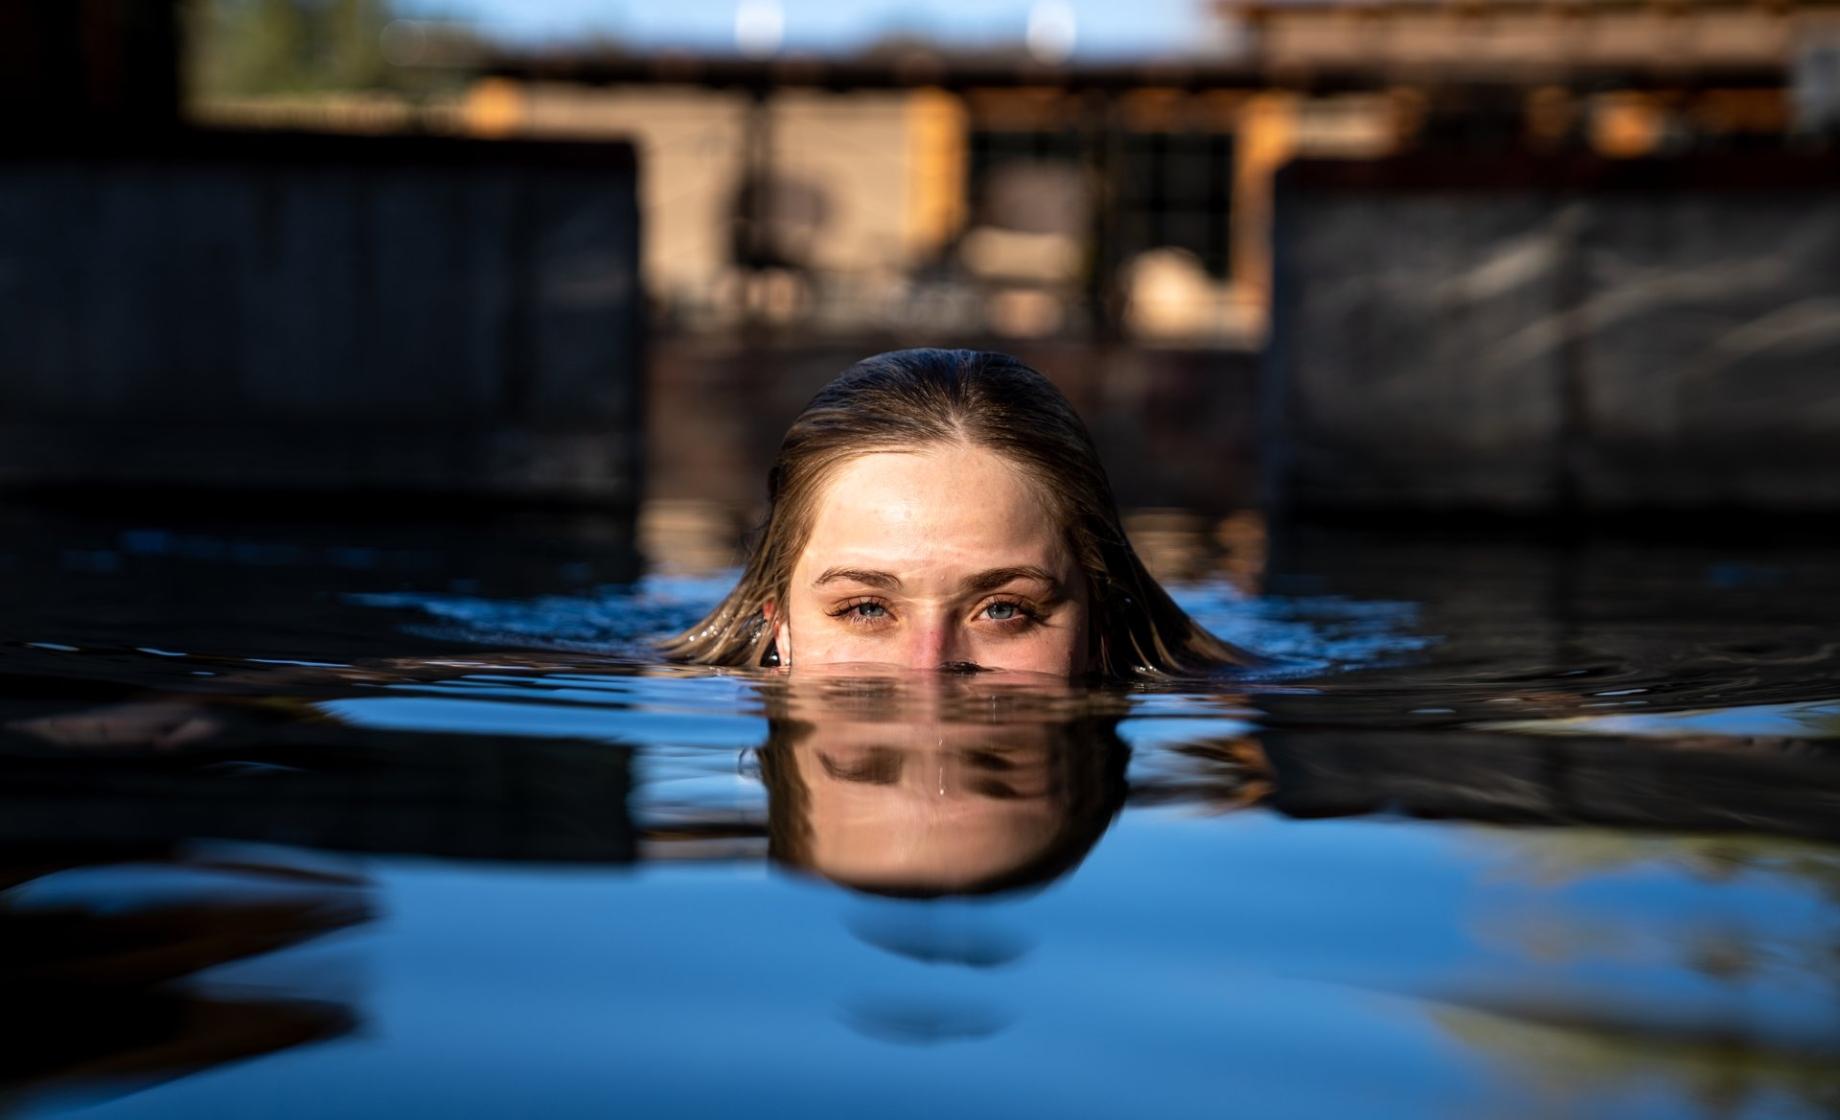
(1488, 842)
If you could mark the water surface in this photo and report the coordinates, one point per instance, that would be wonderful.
(378, 818)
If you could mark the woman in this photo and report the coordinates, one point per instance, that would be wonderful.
(946, 509)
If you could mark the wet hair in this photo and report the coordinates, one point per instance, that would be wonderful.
(909, 399)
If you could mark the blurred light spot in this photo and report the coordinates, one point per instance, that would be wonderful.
(1053, 29)
(760, 26)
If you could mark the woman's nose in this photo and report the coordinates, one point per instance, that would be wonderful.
(935, 645)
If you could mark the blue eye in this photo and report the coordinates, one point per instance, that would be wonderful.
(1002, 612)
(863, 612)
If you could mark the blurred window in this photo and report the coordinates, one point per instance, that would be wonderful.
(1170, 189)
(1175, 190)
(1014, 172)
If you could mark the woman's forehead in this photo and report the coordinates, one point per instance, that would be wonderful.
(951, 504)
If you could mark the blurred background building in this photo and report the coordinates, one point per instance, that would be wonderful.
(1014, 187)
(1106, 197)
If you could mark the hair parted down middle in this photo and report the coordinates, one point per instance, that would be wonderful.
(909, 399)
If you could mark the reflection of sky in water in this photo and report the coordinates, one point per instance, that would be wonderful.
(1307, 633)
(126, 887)
(1188, 968)
(545, 720)
(615, 620)
(1819, 720)
(1200, 961)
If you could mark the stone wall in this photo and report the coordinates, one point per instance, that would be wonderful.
(1550, 336)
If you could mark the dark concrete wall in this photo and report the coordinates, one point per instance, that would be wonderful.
(1543, 336)
(322, 313)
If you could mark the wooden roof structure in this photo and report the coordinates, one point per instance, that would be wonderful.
(1624, 43)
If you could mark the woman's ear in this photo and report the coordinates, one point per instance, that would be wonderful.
(780, 644)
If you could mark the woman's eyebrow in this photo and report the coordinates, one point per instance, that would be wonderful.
(993, 578)
(887, 581)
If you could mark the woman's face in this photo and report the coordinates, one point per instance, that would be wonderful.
(942, 558)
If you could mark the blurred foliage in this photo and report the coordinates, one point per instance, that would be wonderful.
(1734, 1057)
(1575, 1068)
(242, 48)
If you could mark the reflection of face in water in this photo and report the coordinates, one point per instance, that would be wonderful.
(941, 792)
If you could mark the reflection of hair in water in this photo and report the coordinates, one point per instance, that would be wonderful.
(96, 981)
(910, 399)
(1086, 762)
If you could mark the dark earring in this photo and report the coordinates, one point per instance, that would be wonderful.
(770, 659)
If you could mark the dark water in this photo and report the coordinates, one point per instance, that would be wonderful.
(382, 819)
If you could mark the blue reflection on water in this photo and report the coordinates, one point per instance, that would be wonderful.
(1313, 977)
(1290, 915)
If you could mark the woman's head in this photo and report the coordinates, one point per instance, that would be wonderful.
(946, 509)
